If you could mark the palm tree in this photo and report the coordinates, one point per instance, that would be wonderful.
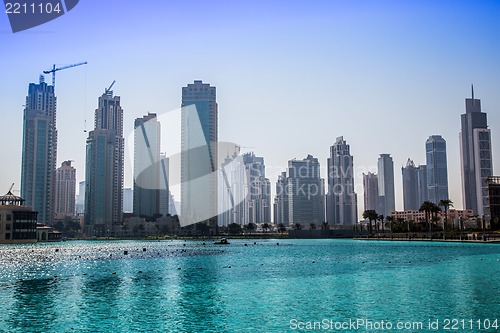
(434, 211)
(390, 219)
(381, 219)
(426, 207)
(141, 228)
(446, 204)
(265, 227)
(234, 229)
(371, 215)
(429, 207)
(325, 226)
(250, 226)
(124, 228)
(281, 228)
(297, 226)
(312, 226)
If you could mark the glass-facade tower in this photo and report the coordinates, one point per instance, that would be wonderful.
(199, 162)
(39, 150)
(437, 170)
(476, 158)
(341, 200)
(104, 167)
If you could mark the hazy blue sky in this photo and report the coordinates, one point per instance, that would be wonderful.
(291, 76)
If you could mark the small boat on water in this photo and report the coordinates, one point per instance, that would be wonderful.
(223, 241)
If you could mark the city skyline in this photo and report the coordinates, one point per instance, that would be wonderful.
(249, 79)
(109, 116)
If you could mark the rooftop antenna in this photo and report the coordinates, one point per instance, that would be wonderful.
(472, 88)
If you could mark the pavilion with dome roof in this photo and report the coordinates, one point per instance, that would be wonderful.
(17, 222)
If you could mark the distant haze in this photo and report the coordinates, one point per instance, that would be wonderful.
(290, 76)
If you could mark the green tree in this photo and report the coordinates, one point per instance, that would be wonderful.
(371, 215)
(297, 226)
(390, 219)
(381, 219)
(325, 226)
(281, 228)
(125, 228)
(135, 230)
(446, 204)
(312, 226)
(250, 227)
(59, 226)
(265, 227)
(234, 229)
(429, 208)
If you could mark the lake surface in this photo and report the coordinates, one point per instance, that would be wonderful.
(296, 286)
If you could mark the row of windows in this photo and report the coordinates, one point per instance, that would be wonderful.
(8, 217)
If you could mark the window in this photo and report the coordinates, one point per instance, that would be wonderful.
(9, 217)
(7, 226)
(7, 235)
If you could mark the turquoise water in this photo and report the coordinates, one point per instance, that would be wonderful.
(185, 286)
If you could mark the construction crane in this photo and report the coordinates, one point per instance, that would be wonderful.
(111, 86)
(11, 187)
(54, 70)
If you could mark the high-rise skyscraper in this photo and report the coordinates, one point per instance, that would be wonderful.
(423, 193)
(341, 200)
(65, 190)
(257, 204)
(166, 200)
(147, 165)
(386, 185)
(370, 186)
(306, 203)
(437, 169)
(128, 200)
(475, 151)
(244, 191)
(199, 162)
(80, 198)
(410, 186)
(104, 167)
(39, 150)
(281, 201)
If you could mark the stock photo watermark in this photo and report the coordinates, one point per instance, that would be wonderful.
(24, 15)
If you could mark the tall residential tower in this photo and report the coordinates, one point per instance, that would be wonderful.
(39, 150)
(147, 166)
(306, 193)
(410, 186)
(341, 200)
(65, 190)
(199, 163)
(475, 151)
(370, 187)
(437, 169)
(386, 197)
(104, 167)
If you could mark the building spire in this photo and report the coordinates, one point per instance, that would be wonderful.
(472, 88)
